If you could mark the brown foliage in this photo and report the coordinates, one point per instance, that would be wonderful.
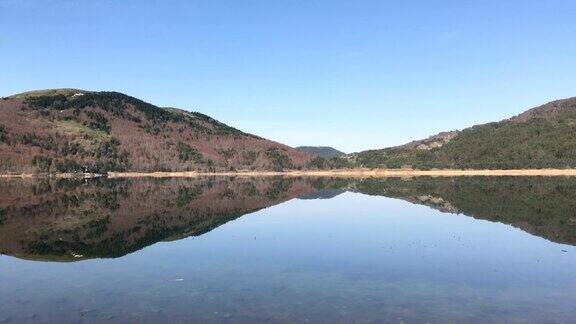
(73, 136)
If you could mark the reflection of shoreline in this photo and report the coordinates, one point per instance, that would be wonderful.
(360, 173)
(70, 220)
(543, 206)
(324, 173)
(75, 219)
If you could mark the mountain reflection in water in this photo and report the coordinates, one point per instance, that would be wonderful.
(68, 220)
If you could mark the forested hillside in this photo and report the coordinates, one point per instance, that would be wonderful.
(69, 130)
(542, 137)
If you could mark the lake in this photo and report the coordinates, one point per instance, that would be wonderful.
(228, 250)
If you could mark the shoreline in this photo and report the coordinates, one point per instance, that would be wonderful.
(355, 173)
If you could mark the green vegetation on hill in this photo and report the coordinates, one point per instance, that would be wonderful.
(3, 136)
(194, 115)
(116, 103)
(322, 151)
(544, 137)
(280, 161)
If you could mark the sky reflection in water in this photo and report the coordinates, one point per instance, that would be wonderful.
(351, 257)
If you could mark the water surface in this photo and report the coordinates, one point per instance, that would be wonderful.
(290, 250)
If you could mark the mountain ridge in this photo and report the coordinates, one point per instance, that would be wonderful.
(540, 137)
(73, 130)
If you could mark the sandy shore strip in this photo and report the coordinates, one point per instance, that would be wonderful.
(53, 175)
(360, 173)
(349, 173)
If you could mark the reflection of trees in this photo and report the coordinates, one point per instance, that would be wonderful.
(78, 219)
(543, 206)
(72, 219)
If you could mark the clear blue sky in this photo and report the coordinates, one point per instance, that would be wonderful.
(349, 74)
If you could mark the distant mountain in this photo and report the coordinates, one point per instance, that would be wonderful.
(67, 130)
(322, 151)
(542, 137)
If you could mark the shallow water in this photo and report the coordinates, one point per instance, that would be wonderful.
(288, 250)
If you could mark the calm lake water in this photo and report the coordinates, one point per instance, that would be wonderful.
(435, 250)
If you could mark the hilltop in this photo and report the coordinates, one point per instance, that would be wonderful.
(326, 152)
(541, 137)
(72, 130)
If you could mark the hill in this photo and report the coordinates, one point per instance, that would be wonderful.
(542, 137)
(322, 151)
(70, 130)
